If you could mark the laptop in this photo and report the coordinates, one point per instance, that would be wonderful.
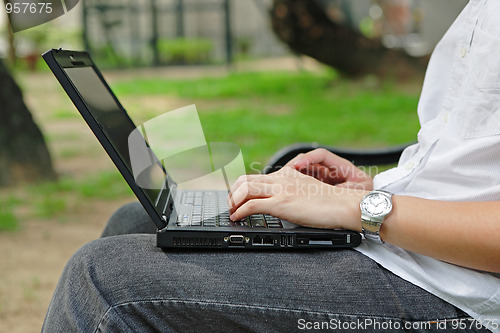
(206, 223)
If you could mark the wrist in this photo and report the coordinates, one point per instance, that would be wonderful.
(355, 211)
(391, 219)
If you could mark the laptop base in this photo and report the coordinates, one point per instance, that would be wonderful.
(244, 238)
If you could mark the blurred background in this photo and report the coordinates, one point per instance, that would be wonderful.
(262, 73)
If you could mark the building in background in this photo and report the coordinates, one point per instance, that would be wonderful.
(179, 31)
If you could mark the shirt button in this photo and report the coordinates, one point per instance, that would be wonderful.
(462, 52)
(445, 117)
(409, 166)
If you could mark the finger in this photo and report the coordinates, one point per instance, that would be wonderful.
(327, 175)
(323, 157)
(245, 179)
(254, 206)
(340, 168)
(294, 160)
(249, 191)
(317, 171)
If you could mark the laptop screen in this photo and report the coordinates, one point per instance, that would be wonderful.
(104, 109)
(115, 124)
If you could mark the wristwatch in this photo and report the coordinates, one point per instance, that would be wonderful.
(375, 206)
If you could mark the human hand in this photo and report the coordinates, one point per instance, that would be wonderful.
(331, 169)
(298, 198)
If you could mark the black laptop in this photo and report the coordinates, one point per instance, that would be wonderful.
(206, 223)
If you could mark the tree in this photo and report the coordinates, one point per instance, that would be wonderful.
(305, 27)
(23, 153)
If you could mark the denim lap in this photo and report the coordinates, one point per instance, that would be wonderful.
(125, 283)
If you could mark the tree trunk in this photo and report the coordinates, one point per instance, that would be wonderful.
(23, 153)
(305, 27)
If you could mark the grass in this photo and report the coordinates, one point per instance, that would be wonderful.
(53, 199)
(262, 111)
(108, 185)
(8, 218)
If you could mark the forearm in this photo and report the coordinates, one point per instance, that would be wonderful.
(462, 233)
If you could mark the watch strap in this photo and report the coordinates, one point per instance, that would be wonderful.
(372, 234)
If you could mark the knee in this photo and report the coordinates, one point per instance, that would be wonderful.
(93, 280)
(106, 262)
(84, 267)
(76, 303)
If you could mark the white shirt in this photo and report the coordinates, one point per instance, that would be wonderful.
(457, 157)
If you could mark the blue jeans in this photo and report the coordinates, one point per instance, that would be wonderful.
(124, 283)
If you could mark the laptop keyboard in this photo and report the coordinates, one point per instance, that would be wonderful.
(210, 209)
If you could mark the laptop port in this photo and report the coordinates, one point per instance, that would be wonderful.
(320, 242)
(286, 241)
(283, 241)
(236, 239)
(263, 241)
(314, 241)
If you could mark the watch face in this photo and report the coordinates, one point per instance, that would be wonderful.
(376, 204)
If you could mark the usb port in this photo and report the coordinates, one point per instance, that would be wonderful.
(286, 241)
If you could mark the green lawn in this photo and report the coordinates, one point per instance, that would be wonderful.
(50, 200)
(264, 111)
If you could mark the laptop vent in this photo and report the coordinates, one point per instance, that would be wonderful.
(197, 241)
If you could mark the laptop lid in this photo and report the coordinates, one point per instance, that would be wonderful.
(94, 99)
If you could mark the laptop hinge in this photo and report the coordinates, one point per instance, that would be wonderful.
(169, 204)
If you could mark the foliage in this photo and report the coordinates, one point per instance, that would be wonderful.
(31, 43)
(185, 50)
